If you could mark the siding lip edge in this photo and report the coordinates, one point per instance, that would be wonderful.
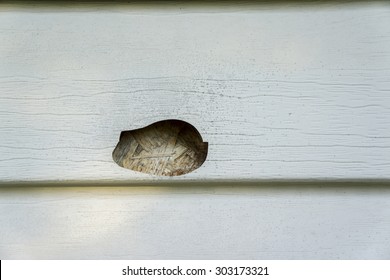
(356, 182)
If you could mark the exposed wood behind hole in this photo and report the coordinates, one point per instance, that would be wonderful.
(168, 148)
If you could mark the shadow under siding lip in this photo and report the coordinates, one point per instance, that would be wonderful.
(366, 184)
(188, 3)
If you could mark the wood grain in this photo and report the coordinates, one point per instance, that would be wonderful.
(165, 148)
(280, 93)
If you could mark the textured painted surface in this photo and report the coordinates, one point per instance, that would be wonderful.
(236, 222)
(278, 92)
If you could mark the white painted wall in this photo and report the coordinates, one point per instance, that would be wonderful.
(279, 92)
(236, 222)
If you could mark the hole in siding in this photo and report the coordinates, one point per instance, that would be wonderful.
(165, 148)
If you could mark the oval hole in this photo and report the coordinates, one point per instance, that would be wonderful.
(165, 148)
